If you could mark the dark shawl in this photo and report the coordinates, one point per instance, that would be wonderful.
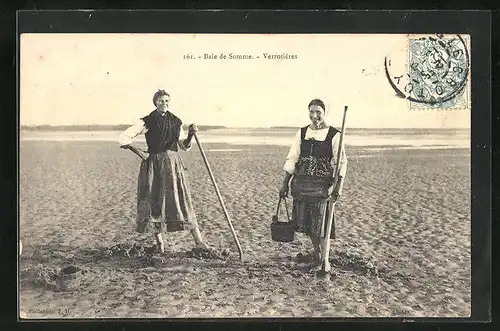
(163, 131)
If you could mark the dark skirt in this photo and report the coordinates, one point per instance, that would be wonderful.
(163, 195)
(310, 216)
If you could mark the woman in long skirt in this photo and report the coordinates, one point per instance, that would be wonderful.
(313, 154)
(163, 192)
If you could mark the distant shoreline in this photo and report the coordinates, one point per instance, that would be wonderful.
(93, 127)
(122, 127)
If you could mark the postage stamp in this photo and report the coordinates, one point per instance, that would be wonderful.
(436, 72)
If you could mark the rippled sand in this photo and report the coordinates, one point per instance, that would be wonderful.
(403, 230)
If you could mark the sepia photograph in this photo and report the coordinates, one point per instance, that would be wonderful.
(189, 175)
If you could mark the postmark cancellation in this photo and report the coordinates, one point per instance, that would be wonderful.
(432, 72)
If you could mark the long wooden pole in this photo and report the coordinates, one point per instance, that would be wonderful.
(326, 247)
(219, 196)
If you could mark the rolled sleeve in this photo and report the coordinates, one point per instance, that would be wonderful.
(182, 138)
(293, 154)
(130, 133)
(343, 158)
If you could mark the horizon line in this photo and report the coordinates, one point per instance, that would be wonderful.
(34, 126)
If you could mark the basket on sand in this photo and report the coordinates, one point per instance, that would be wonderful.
(69, 278)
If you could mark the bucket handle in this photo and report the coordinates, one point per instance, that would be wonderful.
(286, 208)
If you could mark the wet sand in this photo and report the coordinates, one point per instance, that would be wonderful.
(402, 247)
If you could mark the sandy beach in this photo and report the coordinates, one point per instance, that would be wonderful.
(402, 247)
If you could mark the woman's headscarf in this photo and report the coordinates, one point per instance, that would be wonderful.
(317, 102)
(159, 94)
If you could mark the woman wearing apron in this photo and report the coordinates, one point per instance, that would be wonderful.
(313, 155)
(163, 192)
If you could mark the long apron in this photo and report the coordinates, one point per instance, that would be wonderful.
(163, 195)
(310, 216)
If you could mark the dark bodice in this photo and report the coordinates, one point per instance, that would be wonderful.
(163, 131)
(316, 156)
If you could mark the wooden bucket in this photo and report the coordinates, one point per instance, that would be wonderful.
(69, 278)
(282, 231)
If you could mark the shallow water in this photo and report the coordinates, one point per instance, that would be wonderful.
(397, 139)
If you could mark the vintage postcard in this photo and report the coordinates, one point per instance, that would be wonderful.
(184, 175)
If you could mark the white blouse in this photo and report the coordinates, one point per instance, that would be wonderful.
(320, 135)
(140, 128)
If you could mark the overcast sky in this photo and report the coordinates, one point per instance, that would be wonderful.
(111, 78)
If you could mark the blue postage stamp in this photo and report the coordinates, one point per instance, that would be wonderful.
(438, 72)
(435, 73)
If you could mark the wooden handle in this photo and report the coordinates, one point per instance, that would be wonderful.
(219, 196)
(326, 249)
